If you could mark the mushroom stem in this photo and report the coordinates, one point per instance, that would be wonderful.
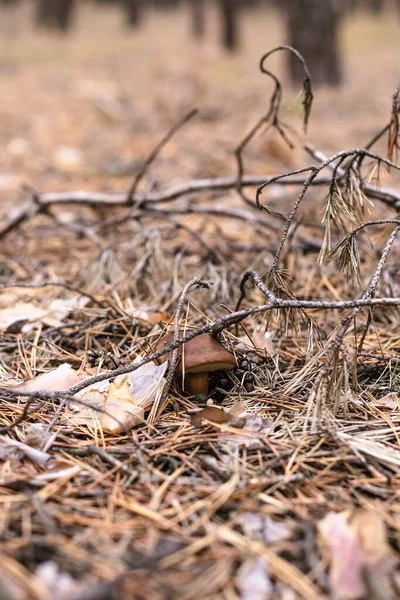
(196, 383)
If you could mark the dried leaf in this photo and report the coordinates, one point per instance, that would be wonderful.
(19, 316)
(124, 400)
(391, 401)
(216, 414)
(13, 449)
(157, 317)
(261, 341)
(255, 428)
(379, 560)
(238, 409)
(253, 580)
(60, 308)
(80, 413)
(120, 406)
(264, 341)
(37, 437)
(346, 559)
(20, 312)
(209, 413)
(61, 378)
(147, 383)
(261, 527)
(359, 552)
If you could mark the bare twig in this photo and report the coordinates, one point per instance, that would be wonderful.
(174, 354)
(315, 170)
(272, 115)
(192, 187)
(214, 327)
(254, 276)
(153, 155)
(394, 127)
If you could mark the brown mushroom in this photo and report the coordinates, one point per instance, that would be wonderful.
(196, 358)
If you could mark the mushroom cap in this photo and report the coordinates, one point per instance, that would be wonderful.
(200, 354)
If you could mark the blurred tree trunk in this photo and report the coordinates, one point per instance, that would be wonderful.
(230, 26)
(376, 6)
(198, 18)
(55, 13)
(251, 3)
(133, 12)
(347, 6)
(65, 13)
(44, 13)
(166, 4)
(313, 31)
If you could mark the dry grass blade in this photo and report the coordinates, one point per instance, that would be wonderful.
(394, 129)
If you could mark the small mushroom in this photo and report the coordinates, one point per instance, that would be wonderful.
(196, 358)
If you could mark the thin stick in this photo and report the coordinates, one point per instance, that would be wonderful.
(154, 153)
(215, 326)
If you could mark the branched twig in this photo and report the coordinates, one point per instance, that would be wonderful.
(272, 115)
(346, 251)
(214, 327)
(115, 199)
(212, 184)
(390, 197)
(315, 170)
(254, 276)
(387, 196)
(333, 348)
(277, 97)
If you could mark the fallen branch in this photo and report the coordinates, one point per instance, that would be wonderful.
(172, 193)
(213, 327)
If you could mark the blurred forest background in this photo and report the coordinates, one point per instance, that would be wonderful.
(88, 86)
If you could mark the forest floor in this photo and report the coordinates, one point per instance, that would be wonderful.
(283, 481)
